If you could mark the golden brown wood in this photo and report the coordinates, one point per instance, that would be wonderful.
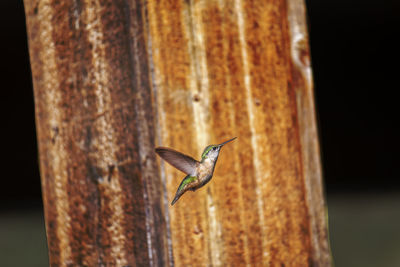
(240, 68)
(115, 78)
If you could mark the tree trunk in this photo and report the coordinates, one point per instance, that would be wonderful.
(114, 79)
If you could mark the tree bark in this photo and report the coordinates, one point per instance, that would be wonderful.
(114, 79)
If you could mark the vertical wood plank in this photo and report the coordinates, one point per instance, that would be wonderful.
(243, 80)
(114, 79)
(94, 113)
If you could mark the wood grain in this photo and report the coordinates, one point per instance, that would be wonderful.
(114, 79)
(102, 195)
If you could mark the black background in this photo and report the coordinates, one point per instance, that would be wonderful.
(354, 68)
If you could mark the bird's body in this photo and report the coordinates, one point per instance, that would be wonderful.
(198, 172)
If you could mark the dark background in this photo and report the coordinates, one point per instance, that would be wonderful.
(352, 47)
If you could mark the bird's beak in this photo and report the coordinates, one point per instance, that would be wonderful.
(220, 145)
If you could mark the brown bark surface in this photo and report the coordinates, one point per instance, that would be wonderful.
(101, 185)
(114, 79)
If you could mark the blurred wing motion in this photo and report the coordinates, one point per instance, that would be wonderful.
(180, 161)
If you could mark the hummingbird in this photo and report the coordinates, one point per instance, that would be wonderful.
(198, 172)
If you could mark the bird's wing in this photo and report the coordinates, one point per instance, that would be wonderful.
(180, 161)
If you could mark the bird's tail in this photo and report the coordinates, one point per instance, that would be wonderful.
(177, 196)
(183, 187)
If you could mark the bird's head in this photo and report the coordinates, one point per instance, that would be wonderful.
(212, 151)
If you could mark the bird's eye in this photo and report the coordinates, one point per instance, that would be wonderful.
(215, 148)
